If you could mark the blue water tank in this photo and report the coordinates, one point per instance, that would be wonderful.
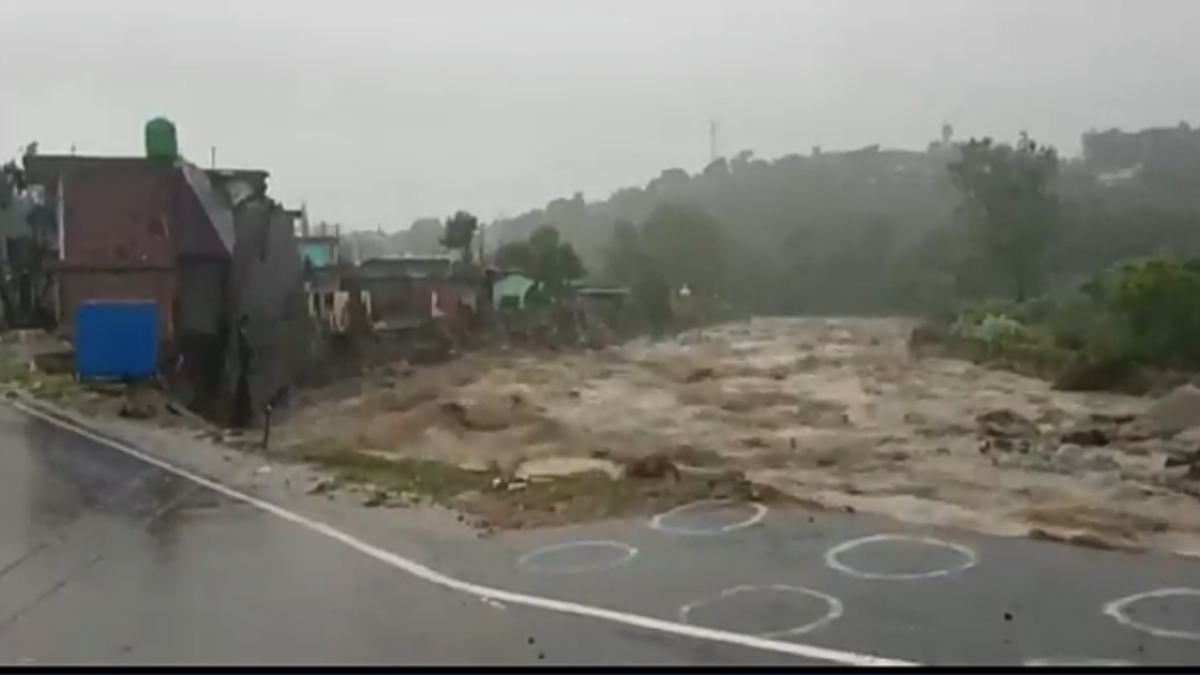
(116, 340)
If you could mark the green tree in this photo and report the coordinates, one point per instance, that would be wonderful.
(1010, 208)
(623, 257)
(688, 246)
(459, 234)
(555, 263)
(1156, 303)
(545, 258)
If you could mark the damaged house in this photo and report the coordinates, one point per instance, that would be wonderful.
(215, 255)
(26, 238)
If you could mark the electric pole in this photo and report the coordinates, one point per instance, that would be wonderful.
(712, 141)
(482, 252)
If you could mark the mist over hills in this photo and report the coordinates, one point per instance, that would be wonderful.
(862, 230)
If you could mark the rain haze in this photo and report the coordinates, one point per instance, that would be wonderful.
(377, 113)
(668, 332)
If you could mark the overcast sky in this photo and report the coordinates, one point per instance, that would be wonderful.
(377, 112)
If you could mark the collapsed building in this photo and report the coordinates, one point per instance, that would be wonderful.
(209, 248)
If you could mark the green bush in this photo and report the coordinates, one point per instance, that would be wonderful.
(1125, 328)
(1156, 302)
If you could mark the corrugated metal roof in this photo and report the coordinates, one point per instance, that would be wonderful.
(215, 205)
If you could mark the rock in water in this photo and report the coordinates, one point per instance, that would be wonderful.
(1176, 412)
(1007, 424)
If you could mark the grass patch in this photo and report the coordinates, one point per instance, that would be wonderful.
(436, 480)
(596, 496)
(57, 385)
(57, 388)
(12, 370)
(500, 501)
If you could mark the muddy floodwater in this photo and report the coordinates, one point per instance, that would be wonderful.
(833, 412)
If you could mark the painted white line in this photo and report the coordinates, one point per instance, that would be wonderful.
(833, 557)
(834, 608)
(1118, 609)
(494, 604)
(625, 554)
(658, 522)
(485, 593)
(1072, 661)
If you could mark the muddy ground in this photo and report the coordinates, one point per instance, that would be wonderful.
(832, 413)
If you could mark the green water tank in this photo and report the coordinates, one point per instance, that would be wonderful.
(161, 141)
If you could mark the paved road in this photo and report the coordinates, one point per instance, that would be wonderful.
(104, 559)
(111, 560)
(921, 595)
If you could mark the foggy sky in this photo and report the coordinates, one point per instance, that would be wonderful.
(377, 112)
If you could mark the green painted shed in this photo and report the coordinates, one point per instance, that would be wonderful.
(512, 289)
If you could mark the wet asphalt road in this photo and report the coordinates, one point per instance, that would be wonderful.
(986, 601)
(104, 559)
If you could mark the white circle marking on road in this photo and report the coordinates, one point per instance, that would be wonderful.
(833, 557)
(1117, 610)
(1070, 661)
(834, 611)
(658, 521)
(444, 580)
(627, 553)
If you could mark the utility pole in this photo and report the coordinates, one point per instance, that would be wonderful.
(212, 157)
(712, 141)
(479, 242)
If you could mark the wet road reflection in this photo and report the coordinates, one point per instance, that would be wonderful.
(106, 560)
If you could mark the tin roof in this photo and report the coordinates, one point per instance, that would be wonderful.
(215, 206)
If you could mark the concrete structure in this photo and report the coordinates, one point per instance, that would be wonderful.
(266, 294)
(207, 247)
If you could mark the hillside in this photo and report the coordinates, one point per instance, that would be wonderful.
(866, 231)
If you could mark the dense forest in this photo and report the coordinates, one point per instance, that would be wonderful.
(880, 231)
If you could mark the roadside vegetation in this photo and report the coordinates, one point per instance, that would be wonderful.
(1132, 326)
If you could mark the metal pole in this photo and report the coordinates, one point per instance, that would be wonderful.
(266, 439)
(712, 141)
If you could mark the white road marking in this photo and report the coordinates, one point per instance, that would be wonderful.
(1072, 661)
(834, 610)
(1117, 610)
(658, 521)
(432, 576)
(494, 604)
(833, 557)
(627, 553)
